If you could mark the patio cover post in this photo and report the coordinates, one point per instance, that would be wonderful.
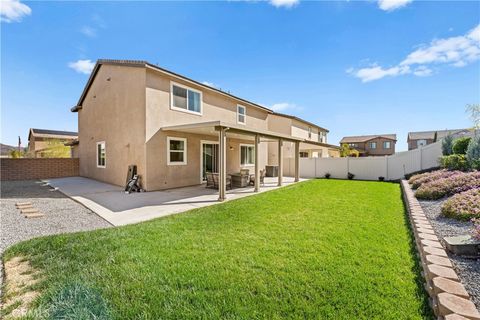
(223, 164)
(280, 162)
(257, 165)
(297, 161)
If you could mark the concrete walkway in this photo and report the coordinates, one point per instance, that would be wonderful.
(111, 203)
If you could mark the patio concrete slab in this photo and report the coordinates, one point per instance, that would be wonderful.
(114, 205)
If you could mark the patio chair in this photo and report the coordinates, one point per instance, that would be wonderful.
(244, 172)
(262, 178)
(216, 184)
(210, 180)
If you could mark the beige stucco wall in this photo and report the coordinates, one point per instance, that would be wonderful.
(163, 176)
(113, 111)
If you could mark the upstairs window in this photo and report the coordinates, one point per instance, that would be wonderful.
(241, 114)
(247, 155)
(421, 142)
(373, 145)
(176, 151)
(186, 99)
(387, 145)
(101, 155)
(321, 136)
(303, 154)
(353, 145)
(309, 133)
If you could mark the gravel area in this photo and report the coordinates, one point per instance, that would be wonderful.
(62, 214)
(467, 269)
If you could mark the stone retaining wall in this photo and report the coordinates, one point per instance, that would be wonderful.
(38, 168)
(448, 297)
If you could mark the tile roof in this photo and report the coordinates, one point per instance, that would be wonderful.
(416, 135)
(356, 139)
(47, 133)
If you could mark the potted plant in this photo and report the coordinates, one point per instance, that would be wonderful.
(327, 175)
(350, 176)
(381, 178)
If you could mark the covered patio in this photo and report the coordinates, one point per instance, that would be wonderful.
(112, 204)
(221, 130)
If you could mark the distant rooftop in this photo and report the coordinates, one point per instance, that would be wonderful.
(357, 139)
(53, 134)
(417, 135)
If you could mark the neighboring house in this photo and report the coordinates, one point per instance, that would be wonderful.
(423, 138)
(372, 145)
(175, 129)
(5, 150)
(40, 140)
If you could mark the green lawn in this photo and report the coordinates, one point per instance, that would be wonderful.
(318, 249)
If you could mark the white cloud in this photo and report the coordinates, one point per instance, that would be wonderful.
(376, 72)
(390, 5)
(13, 10)
(210, 84)
(284, 3)
(89, 31)
(82, 66)
(455, 51)
(282, 106)
(423, 71)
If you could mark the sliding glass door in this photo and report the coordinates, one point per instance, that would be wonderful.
(209, 159)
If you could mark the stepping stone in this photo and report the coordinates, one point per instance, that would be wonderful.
(435, 251)
(431, 243)
(440, 271)
(427, 236)
(34, 215)
(423, 230)
(445, 285)
(454, 316)
(31, 210)
(24, 207)
(441, 261)
(23, 203)
(449, 303)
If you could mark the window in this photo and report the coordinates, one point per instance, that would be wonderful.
(309, 133)
(421, 142)
(321, 136)
(386, 144)
(373, 145)
(247, 155)
(101, 159)
(177, 151)
(353, 145)
(241, 114)
(186, 99)
(303, 154)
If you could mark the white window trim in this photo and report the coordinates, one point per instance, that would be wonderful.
(244, 114)
(176, 163)
(172, 107)
(96, 159)
(370, 145)
(389, 144)
(240, 155)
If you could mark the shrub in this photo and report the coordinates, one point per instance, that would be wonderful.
(350, 176)
(381, 178)
(460, 145)
(327, 175)
(447, 144)
(473, 152)
(419, 179)
(456, 183)
(464, 205)
(454, 162)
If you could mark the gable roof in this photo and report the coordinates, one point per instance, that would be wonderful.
(146, 64)
(301, 120)
(417, 135)
(357, 139)
(52, 134)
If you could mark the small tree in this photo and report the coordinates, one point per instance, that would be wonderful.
(447, 145)
(460, 145)
(474, 111)
(16, 154)
(473, 152)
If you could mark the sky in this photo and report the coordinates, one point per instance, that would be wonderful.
(353, 67)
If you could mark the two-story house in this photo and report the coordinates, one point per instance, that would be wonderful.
(175, 129)
(40, 140)
(372, 145)
(417, 139)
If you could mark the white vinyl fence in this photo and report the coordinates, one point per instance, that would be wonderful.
(370, 168)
